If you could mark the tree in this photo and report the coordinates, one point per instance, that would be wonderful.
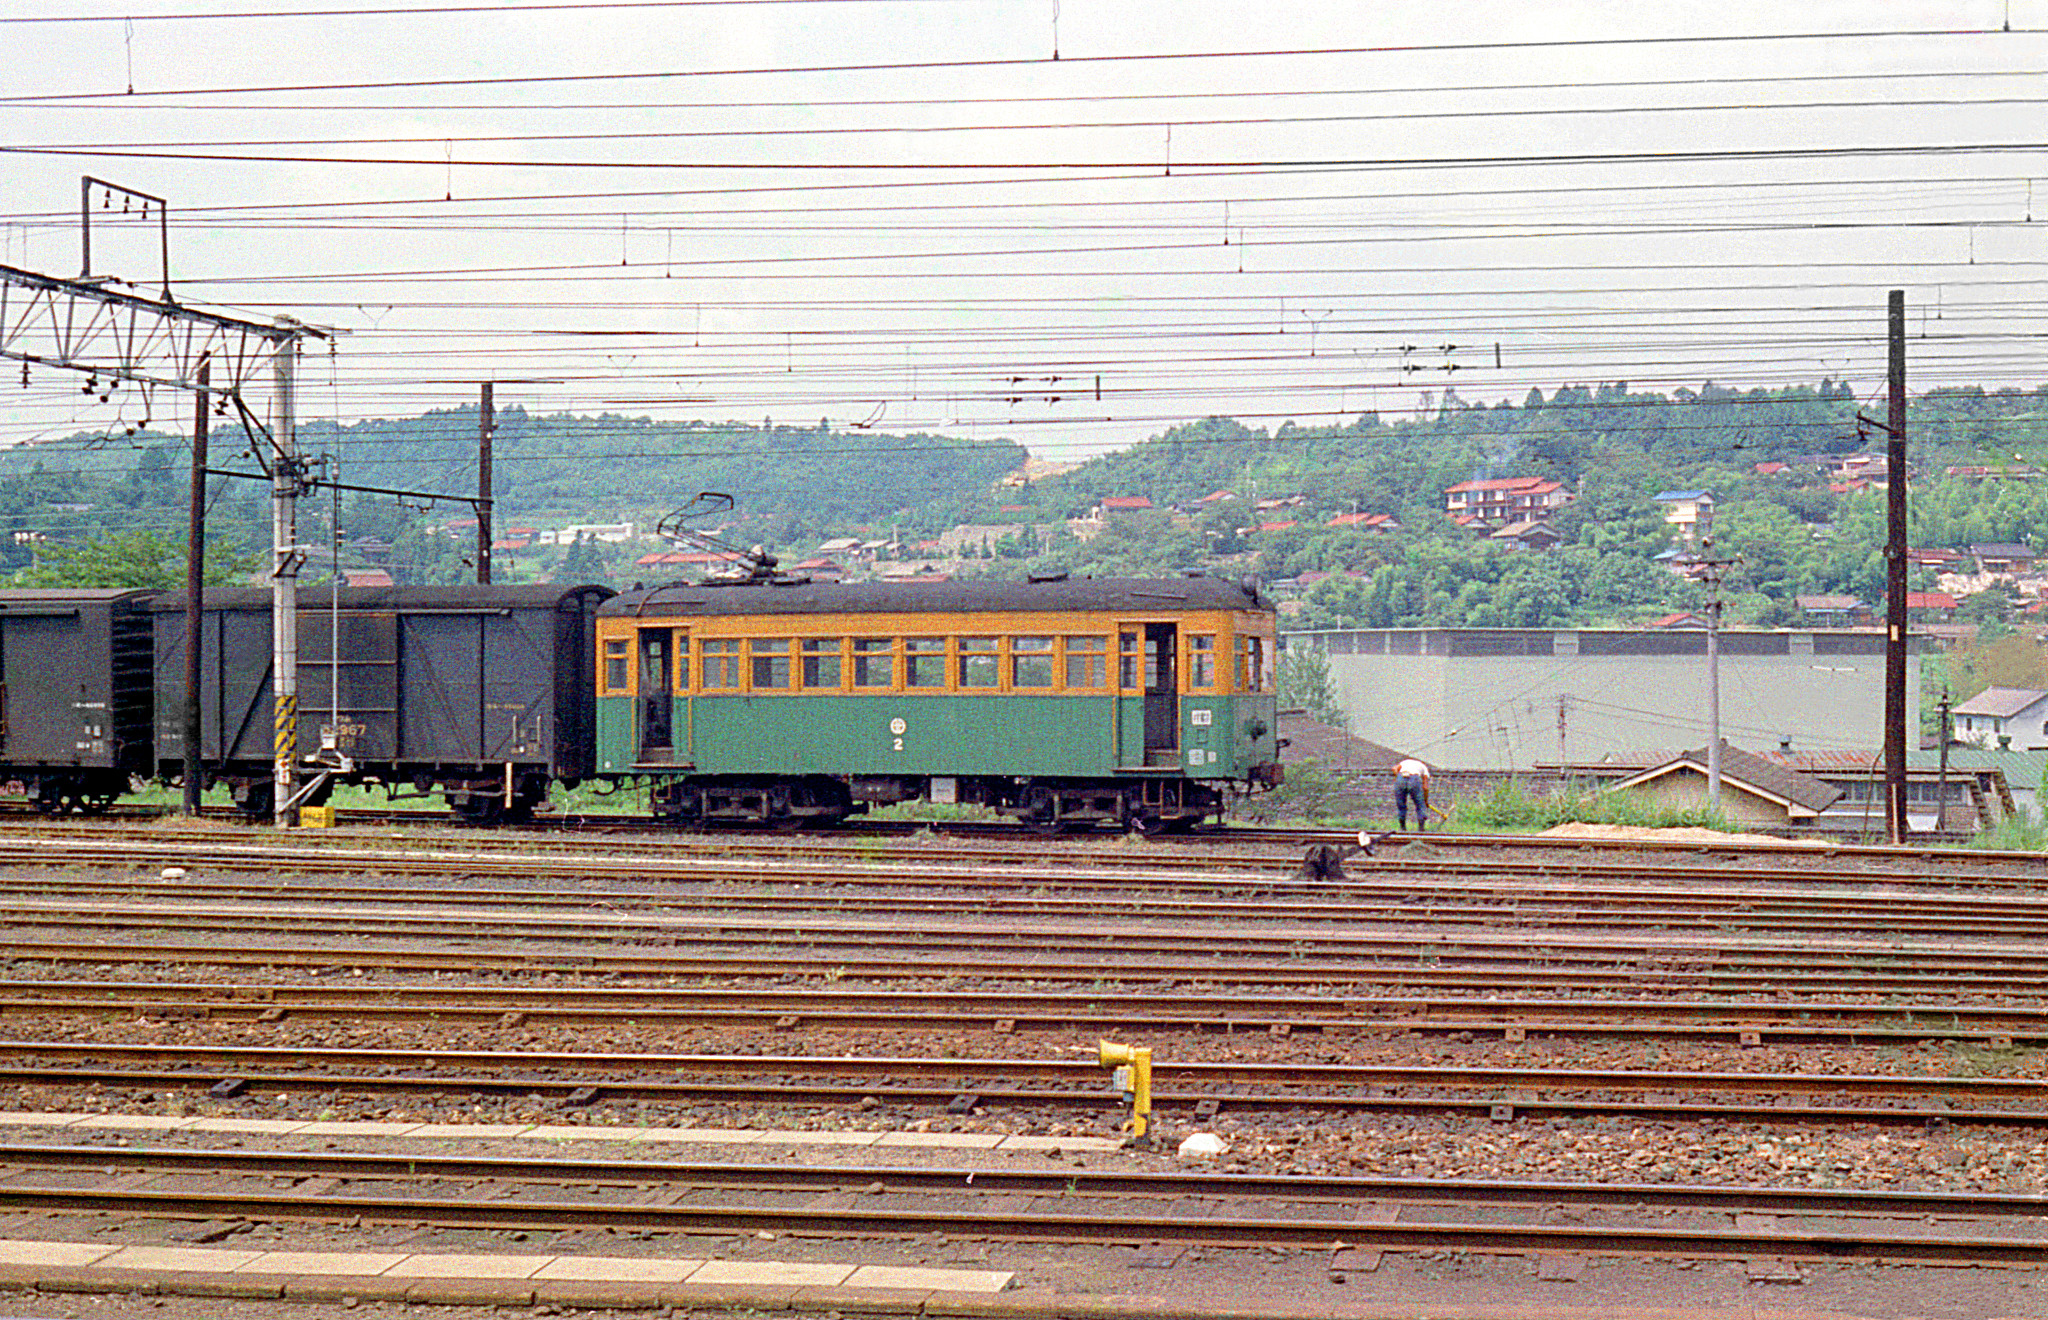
(131, 559)
(1303, 679)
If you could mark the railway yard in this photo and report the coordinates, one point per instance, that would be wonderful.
(377, 1068)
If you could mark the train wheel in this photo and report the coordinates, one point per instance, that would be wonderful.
(1041, 814)
(257, 802)
(480, 809)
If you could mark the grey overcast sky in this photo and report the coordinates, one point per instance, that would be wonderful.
(909, 214)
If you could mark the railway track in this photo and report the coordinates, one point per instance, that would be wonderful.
(1125, 1009)
(111, 843)
(513, 1194)
(1193, 1087)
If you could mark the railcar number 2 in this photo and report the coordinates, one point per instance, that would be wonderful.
(896, 727)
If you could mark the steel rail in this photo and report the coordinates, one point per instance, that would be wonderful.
(1419, 902)
(435, 859)
(1018, 1011)
(1004, 1180)
(605, 928)
(1289, 837)
(1863, 1239)
(1489, 900)
(820, 922)
(793, 1080)
(840, 954)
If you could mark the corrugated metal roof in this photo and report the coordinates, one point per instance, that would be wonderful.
(1999, 703)
(466, 596)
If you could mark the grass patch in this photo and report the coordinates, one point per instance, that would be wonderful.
(1509, 808)
(2020, 832)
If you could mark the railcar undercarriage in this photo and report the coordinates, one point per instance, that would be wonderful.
(1158, 805)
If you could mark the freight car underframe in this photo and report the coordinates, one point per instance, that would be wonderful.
(480, 795)
(1151, 805)
(58, 792)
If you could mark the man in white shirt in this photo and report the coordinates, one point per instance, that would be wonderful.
(1411, 784)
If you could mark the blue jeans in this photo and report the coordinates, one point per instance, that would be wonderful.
(1411, 788)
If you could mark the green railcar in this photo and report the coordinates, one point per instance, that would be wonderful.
(1068, 703)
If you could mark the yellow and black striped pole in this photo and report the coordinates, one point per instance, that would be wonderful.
(284, 744)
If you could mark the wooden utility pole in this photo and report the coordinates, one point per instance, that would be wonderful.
(1895, 712)
(486, 423)
(195, 582)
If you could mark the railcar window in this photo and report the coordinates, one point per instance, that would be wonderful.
(1251, 664)
(1031, 662)
(771, 663)
(924, 662)
(979, 663)
(822, 662)
(874, 662)
(1130, 677)
(616, 663)
(1087, 662)
(718, 662)
(1201, 660)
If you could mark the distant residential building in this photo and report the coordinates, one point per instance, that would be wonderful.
(1829, 611)
(1682, 619)
(1998, 717)
(1690, 513)
(1503, 500)
(1366, 522)
(1527, 534)
(1276, 526)
(1938, 559)
(2003, 558)
(1930, 606)
(1116, 504)
(821, 569)
(1754, 791)
(1981, 472)
(614, 533)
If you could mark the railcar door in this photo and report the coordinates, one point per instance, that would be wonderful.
(657, 695)
(1162, 694)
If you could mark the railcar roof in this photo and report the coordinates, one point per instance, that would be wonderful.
(1139, 595)
(468, 596)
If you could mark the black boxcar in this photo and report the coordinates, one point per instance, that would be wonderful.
(484, 692)
(74, 694)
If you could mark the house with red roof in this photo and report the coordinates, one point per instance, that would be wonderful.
(1503, 500)
(1366, 522)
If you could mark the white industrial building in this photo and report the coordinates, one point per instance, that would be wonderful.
(1509, 698)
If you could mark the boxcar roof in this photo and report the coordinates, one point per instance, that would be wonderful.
(1139, 595)
(469, 596)
(44, 597)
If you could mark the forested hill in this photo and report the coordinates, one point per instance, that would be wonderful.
(792, 482)
(800, 479)
(1796, 530)
(1703, 438)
